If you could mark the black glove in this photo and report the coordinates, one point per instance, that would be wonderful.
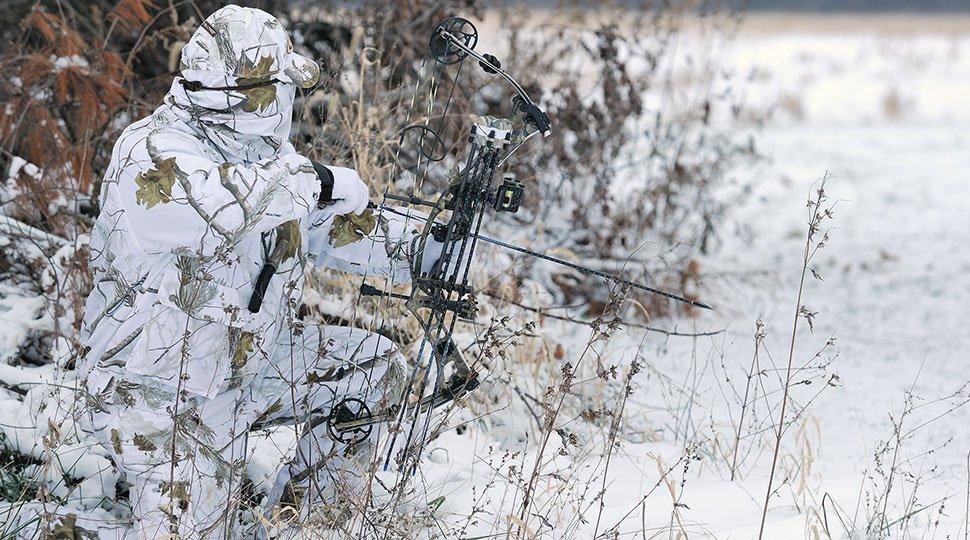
(326, 185)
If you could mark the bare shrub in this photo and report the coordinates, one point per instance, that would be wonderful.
(894, 106)
(615, 173)
(893, 506)
(623, 174)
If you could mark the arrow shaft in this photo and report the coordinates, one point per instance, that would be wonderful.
(591, 271)
(574, 266)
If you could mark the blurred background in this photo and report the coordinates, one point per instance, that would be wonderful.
(688, 138)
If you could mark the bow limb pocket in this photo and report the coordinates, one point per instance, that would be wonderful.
(193, 327)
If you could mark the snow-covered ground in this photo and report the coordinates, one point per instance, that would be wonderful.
(885, 113)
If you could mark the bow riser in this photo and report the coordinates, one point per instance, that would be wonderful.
(445, 290)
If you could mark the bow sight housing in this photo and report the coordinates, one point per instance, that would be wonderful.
(509, 194)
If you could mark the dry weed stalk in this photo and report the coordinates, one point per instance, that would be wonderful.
(819, 213)
(893, 466)
(759, 337)
(555, 397)
(612, 441)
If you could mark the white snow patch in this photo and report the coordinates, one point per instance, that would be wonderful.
(72, 61)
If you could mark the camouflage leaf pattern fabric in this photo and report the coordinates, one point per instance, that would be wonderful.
(155, 184)
(243, 348)
(289, 234)
(68, 529)
(351, 228)
(260, 97)
(223, 45)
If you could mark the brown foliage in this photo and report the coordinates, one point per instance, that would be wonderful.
(132, 15)
(67, 89)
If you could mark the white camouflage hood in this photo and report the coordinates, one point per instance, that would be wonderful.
(234, 47)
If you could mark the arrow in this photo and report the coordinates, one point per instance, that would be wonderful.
(568, 264)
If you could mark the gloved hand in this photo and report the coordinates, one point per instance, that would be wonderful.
(342, 191)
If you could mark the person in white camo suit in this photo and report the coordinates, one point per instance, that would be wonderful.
(198, 197)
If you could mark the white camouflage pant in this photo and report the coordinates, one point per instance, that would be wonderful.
(185, 459)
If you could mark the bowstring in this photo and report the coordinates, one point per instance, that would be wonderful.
(402, 409)
(433, 358)
(421, 174)
(382, 303)
(447, 344)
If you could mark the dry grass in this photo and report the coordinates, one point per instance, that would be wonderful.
(820, 212)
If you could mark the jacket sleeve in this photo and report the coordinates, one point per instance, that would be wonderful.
(175, 197)
(383, 251)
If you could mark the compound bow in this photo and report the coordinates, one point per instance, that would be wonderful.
(441, 296)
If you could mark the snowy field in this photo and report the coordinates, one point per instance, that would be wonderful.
(883, 109)
(885, 113)
(880, 105)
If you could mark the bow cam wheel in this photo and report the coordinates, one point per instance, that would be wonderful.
(346, 413)
(443, 49)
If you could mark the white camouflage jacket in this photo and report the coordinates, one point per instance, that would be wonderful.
(196, 198)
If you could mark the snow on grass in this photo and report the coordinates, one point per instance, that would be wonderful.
(20, 315)
(896, 277)
(887, 116)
